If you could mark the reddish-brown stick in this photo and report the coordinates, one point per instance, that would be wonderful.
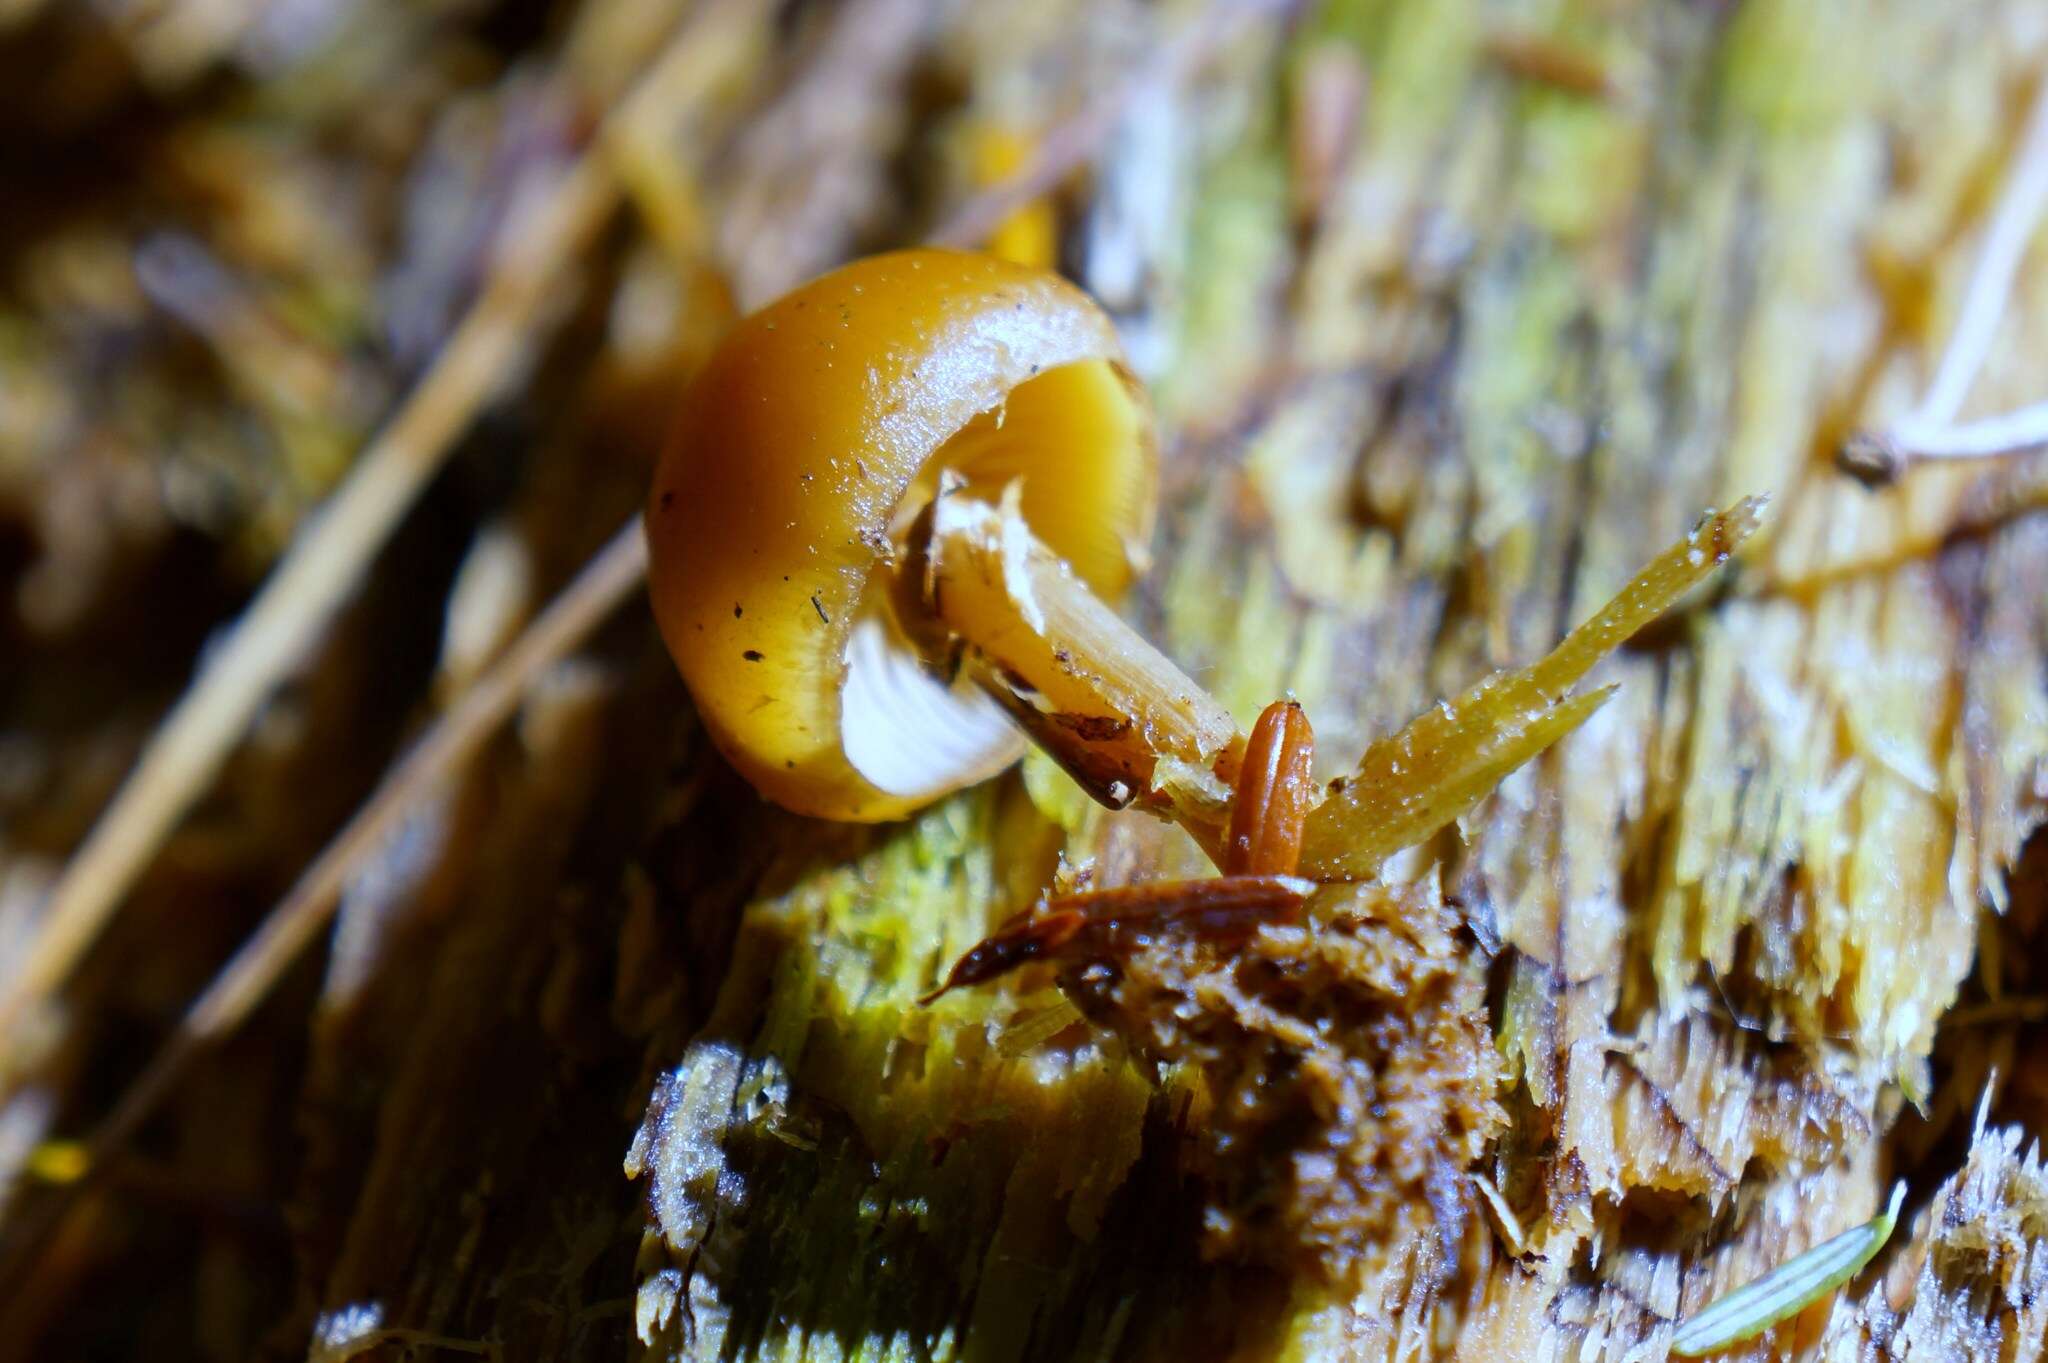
(1275, 788)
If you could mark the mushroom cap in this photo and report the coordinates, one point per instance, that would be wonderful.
(802, 449)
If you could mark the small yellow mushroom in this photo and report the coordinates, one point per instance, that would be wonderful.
(791, 546)
(882, 536)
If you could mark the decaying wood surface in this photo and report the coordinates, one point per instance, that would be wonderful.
(1456, 314)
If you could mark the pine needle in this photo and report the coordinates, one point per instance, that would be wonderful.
(1789, 1288)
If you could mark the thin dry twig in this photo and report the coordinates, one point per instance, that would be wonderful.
(322, 568)
(605, 582)
(1930, 431)
(317, 574)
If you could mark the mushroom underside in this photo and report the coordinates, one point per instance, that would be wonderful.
(1067, 443)
(906, 730)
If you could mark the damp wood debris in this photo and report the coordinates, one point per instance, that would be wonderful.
(1653, 896)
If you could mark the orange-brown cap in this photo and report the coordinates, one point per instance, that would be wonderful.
(802, 448)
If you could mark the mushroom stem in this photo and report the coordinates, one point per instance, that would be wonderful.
(1108, 706)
